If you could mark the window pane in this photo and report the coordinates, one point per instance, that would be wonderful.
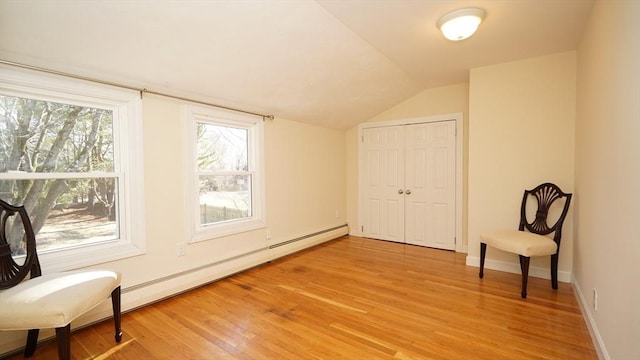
(45, 137)
(224, 198)
(66, 212)
(222, 148)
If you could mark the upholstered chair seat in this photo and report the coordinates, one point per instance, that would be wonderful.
(55, 300)
(520, 242)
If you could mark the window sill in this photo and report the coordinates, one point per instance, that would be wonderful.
(222, 230)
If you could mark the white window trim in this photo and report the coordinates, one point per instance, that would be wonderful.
(194, 114)
(128, 156)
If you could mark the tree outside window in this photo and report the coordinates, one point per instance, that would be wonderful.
(59, 163)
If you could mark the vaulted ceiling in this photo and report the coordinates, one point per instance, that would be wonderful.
(333, 63)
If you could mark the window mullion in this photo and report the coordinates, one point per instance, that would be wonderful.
(225, 173)
(37, 176)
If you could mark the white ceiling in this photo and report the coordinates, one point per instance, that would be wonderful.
(334, 63)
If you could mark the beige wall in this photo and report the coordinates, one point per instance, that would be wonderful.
(443, 100)
(607, 243)
(305, 178)
(521, 128)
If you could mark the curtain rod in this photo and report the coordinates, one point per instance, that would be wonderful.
(141, 91)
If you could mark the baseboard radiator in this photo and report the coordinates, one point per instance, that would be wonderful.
(309, 235)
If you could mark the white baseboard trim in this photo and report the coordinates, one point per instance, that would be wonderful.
(352, 232)
(510, 267)
(304, 242)
(143, 294)
(601, 349)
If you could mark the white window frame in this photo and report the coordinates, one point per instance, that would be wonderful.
(193, 115)
(128, 161)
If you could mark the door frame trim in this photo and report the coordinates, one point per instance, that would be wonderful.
(458, 118)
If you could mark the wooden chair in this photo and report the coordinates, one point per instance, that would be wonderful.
(532, 242)
(51, 300)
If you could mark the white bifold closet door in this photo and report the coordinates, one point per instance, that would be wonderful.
(409, 184)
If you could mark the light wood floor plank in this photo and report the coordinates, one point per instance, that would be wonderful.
(351, 298)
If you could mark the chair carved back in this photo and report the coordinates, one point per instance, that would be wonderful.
(12, 272)
(545, 194)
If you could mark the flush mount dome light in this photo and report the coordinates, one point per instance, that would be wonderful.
(461, 24)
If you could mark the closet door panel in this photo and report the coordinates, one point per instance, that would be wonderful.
(383, 213)
(430, 181)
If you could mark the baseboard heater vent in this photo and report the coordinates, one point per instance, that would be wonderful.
(307, 236)
(186, 272)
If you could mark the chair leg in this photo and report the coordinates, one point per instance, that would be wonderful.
(554, 271)
(483, 252)
(63, 335)
(32, 341)
(524, 266)
(117, 313)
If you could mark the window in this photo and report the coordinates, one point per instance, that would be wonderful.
(225, 172)
(70, 153)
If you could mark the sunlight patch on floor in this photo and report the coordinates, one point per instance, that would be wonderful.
(113, 350)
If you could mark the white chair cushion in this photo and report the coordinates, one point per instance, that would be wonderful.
(54, 300)
(520, 242)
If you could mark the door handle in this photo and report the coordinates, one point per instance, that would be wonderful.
(400, 191)
(408, 192)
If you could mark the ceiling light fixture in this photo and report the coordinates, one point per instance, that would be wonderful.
(461, 24)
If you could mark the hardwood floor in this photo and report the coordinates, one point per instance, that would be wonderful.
(351, 298)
